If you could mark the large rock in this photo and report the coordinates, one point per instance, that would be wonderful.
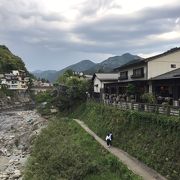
(16, 174)
(4, 176)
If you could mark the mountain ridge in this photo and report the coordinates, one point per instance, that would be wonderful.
(112, 62)
(52, 75)
(89, 67)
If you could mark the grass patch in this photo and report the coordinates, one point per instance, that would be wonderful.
(65, 151)
(153, 139)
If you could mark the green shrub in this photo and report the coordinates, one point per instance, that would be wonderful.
(43, 97)
(148, 98)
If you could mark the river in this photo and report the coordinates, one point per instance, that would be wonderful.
(17, 131)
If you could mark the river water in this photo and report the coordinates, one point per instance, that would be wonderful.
(17, 131)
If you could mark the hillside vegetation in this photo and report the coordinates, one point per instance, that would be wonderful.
(65, 151)
(153, 139)
(9, 61)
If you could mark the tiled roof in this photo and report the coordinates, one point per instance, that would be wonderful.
(173, 50)
(88, 76)
(169, 75)
(107, 76)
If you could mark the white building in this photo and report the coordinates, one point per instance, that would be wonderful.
(143, 71)
(158, 75)
(99, 81)
(39, 86)
(16, 80)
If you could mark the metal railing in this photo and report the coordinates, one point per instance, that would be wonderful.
(145, 107)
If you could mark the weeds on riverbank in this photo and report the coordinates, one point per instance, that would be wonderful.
(153, 139)
(65, 151)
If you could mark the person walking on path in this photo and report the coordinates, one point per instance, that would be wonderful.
(111, 138)
(108, 140)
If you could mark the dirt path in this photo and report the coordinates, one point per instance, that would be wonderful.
(133, 164)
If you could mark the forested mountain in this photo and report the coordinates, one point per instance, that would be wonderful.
(9, 61)
(112, 62)
(88, 67)
(52, 75)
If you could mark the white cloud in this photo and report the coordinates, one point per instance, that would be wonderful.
(129, 6)
(173, 35)
(92, 28)
(146, 55)
(177, 20)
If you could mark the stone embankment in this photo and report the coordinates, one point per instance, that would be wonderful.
(10, 104)
(17, 131)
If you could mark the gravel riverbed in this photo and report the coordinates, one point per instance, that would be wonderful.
(17, 131)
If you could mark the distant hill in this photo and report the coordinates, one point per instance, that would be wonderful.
(88, 67)
(9, 61)
(79, 67)
(53, 75)
(112, 62)
(37, 71)
(50, 75)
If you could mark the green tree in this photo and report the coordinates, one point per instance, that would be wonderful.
(131, 89)
(66, 76)
(71, 91)
(68, 73)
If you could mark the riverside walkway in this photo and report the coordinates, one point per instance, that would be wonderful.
(132, 163)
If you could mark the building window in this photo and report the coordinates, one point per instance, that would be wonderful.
(173, 65)
(138, 73)
(123, 75)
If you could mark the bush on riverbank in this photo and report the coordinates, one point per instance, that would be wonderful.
(4, 92)
(154, 139)
(43, 102)
(65, 151)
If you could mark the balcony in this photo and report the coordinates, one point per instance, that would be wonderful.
(123, 75)
(137, 76)
(123, 78)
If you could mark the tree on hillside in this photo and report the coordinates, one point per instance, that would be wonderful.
(67, 75)
(71, 91)
(9, 61)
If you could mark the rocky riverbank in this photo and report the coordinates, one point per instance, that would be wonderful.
(17, 131)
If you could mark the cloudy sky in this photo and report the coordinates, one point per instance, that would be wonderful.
(52, 34)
